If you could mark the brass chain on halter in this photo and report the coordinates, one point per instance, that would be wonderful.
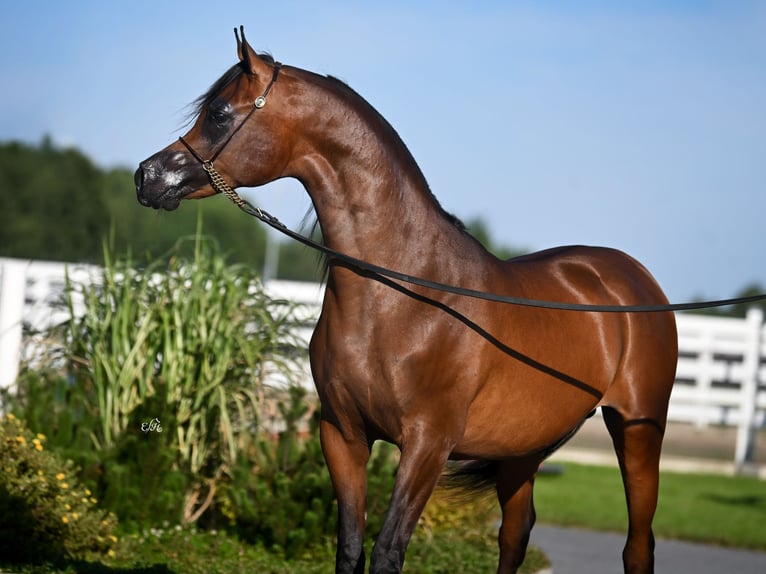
(220, 185)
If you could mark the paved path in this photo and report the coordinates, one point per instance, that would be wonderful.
(574, 551)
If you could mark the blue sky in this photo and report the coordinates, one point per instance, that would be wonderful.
(636, 125)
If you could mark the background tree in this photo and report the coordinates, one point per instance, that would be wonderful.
(55, 204)
(735, 310)
(51, 203)
(480, 230)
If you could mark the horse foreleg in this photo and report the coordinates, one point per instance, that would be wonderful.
(420, 466)
(638, 444)
(347, 462)
(515, 481)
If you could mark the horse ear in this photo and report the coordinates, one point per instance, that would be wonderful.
(253, 64)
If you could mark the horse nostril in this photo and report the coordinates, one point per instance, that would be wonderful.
(138, 178)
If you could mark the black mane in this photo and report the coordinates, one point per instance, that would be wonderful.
(231, 75)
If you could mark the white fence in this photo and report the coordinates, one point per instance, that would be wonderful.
(721, 377)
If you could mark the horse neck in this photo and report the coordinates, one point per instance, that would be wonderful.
(371, 198)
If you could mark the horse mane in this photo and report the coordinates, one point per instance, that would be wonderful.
(231, 75)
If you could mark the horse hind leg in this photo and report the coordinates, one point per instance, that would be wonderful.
(515, 482)
(638, 443)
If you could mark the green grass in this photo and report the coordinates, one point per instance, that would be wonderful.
(729, 511)
(178, 551)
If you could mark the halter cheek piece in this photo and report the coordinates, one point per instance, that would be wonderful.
(216, 180)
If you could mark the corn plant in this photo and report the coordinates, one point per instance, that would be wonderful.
(199, 333)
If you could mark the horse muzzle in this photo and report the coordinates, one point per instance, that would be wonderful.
(167, 177)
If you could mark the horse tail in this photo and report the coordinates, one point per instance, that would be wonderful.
(470, 476)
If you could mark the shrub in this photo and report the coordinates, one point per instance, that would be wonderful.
(280, 494)
(45, 513)
(470, 513)
(138, 477)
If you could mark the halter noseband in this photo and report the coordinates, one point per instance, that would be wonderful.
(207, 164)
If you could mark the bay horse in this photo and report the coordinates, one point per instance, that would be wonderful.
(440, 375)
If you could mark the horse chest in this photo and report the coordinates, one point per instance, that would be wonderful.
(376, 371)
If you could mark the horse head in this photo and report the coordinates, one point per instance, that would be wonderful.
(244, 157)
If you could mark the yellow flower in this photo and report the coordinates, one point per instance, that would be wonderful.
(65, 520)
(75, 516)
(60, 476)
(87, 492)
(11, 417)
(110, 553)
(21, 439)
(38, 444)
(113, 538)
(68, 507)
(64, 485)
(40, 436)
(93, 500)
(40, 472)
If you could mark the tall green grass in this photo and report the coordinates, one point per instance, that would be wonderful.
(185, 340)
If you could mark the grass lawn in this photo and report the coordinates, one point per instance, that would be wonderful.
(729, 511)
(179, 551)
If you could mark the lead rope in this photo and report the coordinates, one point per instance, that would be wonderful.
(220, 185)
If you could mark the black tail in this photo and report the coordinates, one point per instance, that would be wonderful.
(470, 477)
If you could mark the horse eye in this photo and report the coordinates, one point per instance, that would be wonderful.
(218, 117)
